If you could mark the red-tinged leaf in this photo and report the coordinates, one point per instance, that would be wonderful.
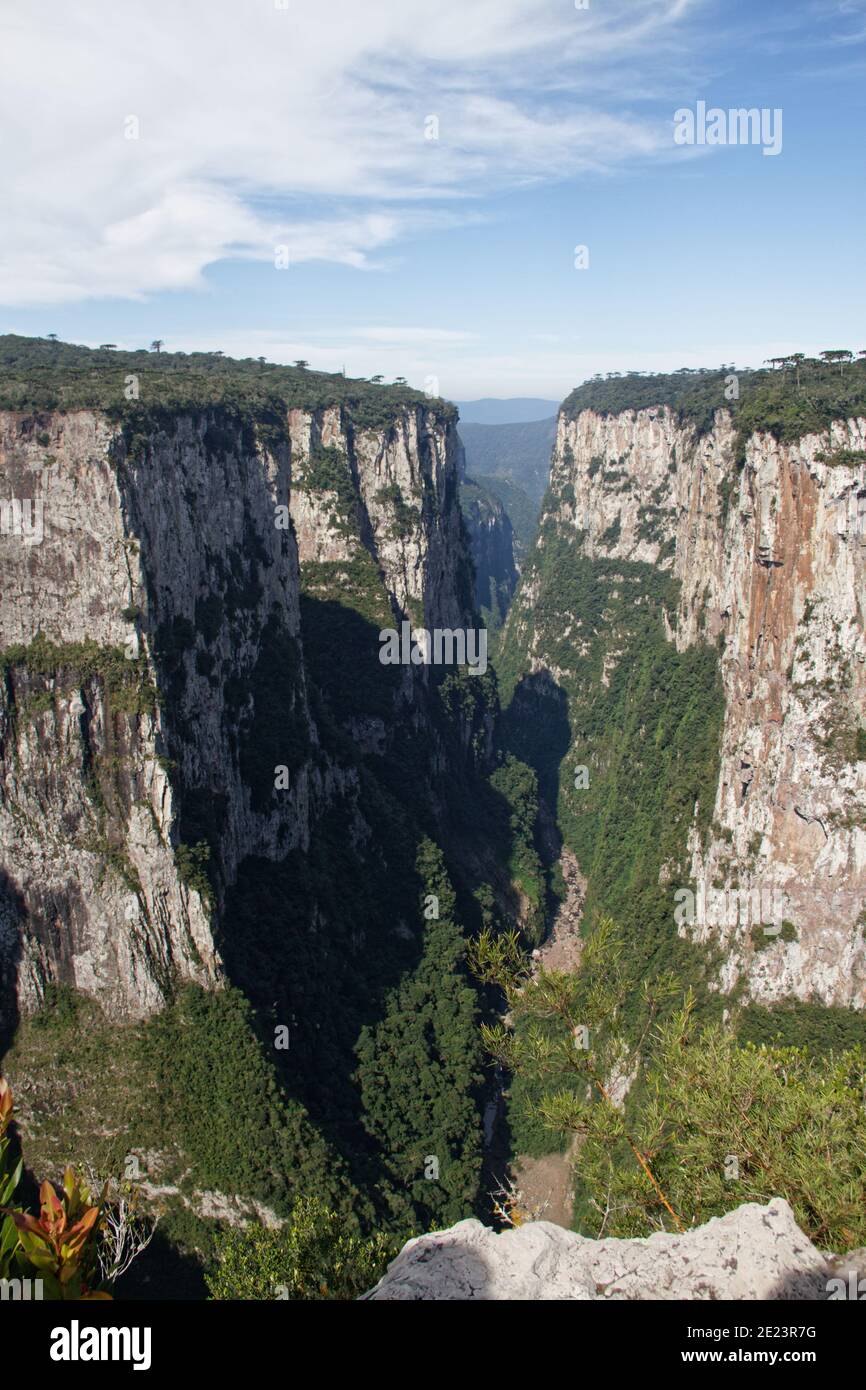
(5, 1104)
(86, 1223)
(24, 1221)
(51, 1205)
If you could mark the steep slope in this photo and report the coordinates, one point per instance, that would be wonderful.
(491, 542)
(521, 511)
(691, 628)
(209, 778)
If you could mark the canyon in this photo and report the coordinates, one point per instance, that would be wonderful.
(219, 807)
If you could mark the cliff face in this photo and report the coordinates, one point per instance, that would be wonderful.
(769, 556)
(491, 540)
(400, 486)
(155, 678)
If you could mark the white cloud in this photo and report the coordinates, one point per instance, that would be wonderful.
(261, 126)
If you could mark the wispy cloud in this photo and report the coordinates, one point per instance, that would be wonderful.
(305, 126)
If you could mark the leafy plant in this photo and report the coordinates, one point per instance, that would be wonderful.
(311, 1258)
(10, 1176)
(60, 1244)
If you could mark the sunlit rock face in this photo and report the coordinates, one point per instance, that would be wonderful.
(770, 555)
(752, 1253)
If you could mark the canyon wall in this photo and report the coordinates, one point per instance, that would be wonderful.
(154, 666)
(767, 544)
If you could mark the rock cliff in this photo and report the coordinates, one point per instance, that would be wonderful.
(765, 545)
(154, 666)
(753, 1252)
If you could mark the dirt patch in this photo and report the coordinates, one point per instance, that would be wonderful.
(546, 1187)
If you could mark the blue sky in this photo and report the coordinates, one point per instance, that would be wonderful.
(449, 261)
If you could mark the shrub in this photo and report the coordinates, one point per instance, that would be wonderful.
(312, 1257)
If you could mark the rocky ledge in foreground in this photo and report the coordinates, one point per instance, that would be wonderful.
(754, 1252)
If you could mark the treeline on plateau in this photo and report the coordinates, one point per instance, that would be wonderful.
(797, 395)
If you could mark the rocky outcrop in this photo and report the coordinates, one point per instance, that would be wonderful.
(752, 1253)
(769, 550)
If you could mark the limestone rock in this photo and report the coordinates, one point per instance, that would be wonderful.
(770, 555)
(754, 1252)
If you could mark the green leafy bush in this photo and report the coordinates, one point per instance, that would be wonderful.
(312, 1257)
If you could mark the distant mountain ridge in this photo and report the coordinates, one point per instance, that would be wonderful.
(519, 451)
(514, 410)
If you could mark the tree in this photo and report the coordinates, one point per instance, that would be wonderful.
(796, 360)
(419, 1070)
(310, 1258)
(302, 363)
(157, 345)
(840, 355)
(52, 337)
(107, 347)
(376, 380)
(708, 1123)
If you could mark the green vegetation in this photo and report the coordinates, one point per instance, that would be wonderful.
(712, 1124)
(217, 1093)
(762, 939)
(517, 785)
(803, 396)
(642, 718)
(419, 1070)
(192, 867)
(312, 1257)
(327, 470)
(522, 511)
(127, 684)
(195, 1083)
(518, 453)
(843, 458)
(38, 375)
(491, 544)
(818, 1028)
(405, 517)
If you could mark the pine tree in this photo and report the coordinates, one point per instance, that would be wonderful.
(419, 1070)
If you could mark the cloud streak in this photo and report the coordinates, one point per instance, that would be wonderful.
(305, 126)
